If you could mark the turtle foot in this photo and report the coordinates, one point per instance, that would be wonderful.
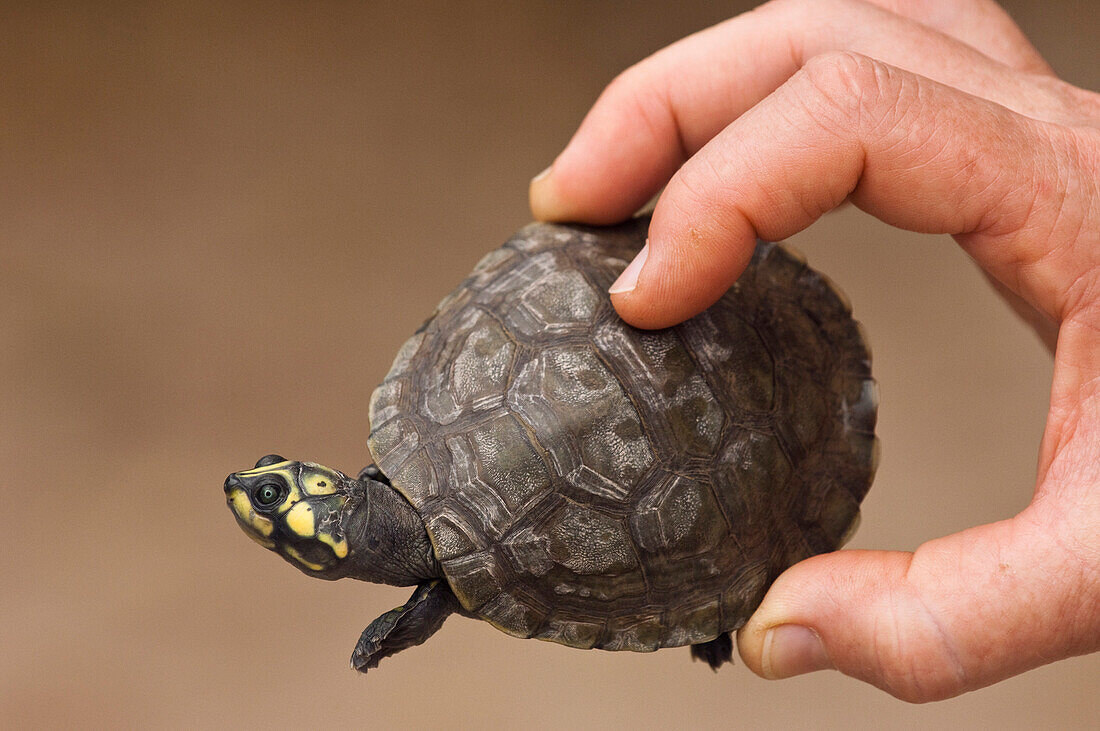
(407, 626)
(716, 652)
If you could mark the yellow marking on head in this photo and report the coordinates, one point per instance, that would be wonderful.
(339, 547)
(280, 467)
(293, 497)
(294, 554)
(242, 506)
(299, 519)
(319, 480)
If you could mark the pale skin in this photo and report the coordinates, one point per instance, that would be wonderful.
(935, 116)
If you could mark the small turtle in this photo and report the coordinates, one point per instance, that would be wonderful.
(546, 467)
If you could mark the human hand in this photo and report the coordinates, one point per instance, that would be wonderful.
(935, 116)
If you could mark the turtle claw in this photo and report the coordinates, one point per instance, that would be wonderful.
(369, 651)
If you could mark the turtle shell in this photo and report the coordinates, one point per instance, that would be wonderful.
(589, 483)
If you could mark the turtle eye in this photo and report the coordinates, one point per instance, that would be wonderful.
(267, 494)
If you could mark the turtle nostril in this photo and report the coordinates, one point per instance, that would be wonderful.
(231, 482)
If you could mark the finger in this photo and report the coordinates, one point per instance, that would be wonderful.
(981, 24)
(917, 154)
(961, 613)
(662, 110)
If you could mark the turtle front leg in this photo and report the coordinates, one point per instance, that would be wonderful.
(407, 626)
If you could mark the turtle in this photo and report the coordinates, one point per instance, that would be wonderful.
(545, 467)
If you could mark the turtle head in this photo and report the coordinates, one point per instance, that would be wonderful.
(296, 509)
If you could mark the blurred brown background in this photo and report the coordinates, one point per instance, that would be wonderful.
(218, 222)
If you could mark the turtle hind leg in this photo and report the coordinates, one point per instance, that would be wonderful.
(716, 652)
(406, 626)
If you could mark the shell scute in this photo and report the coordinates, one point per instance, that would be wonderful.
(676, 519)
(588, 542)
(574, 633)
(556, 393)
(635, 633)
(452, 536)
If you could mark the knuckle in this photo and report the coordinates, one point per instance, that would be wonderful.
(914, 654)
(1082, 298)
(627, 90)
(688, 196)
(642, 82)
(1011, 176)
(915, 682)
(841, 74)
(626, 82)
(700, 202)
(702, 180)
(1064, 217)
(855, 89)
(640, 93)
(702, 191)
(799, 16)
(916, 663)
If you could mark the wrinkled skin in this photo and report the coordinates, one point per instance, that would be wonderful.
(935, 116)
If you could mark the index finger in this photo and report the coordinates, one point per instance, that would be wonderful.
(916, 154)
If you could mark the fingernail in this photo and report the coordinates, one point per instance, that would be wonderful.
(629, 278)
(542, 197)
(791, 649)
(543, 174)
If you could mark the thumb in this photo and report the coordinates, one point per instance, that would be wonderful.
(960, 613)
